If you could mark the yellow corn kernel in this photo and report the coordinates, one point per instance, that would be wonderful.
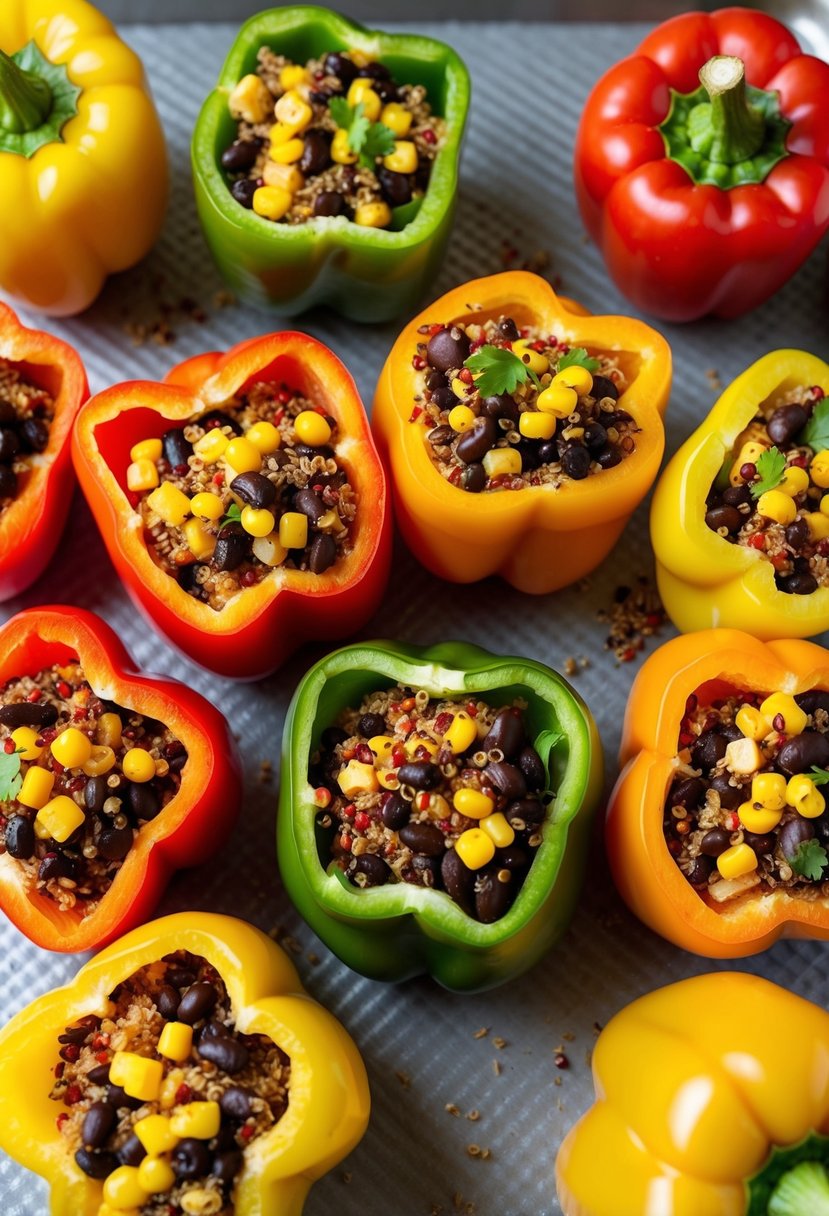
(264, 436)
(201, 1202)
(743, 756)
(288, 153)
(312, 428)
(269, 550)
(169, 504)
(280, 134)
(472, 803)
(341, 153)
(272, 202)
(784, 705)
(749, 453)
(175, 1043)
(373, 215)
(169, 1088)
(575, 377)
(818, 524)
(382, 746)
(59, 818)
(71, 747)
(25, 741)
(138, 765)
(251, 100)
(198, 1119)
(397, 118)
(100, 762)
(794, 480)
(498, 830)
(805, 797)
(738, 860)
(501, 461)
(146, 449)
(200, 542)
(139, 1076)
(776, 505)
(460, 388)
(291, 75)
(357, 778)
(36, 789)
(819, 468)
(461, 417)
(752, 723)
(154, 1131)
(242, 456)
(328, 522)
(282, 177)
(122, 1190)
(557, 399)
(293, 111)
(211, 447)
(156, 1175)
(769, 789)
(475, 848)
(106, 1209)
(462, 732)
(293, 530)
(759, 819)
(109, 730)
(536, 425)
(360, 90)
(207, 506)
(142, 475)
(415, 741)
(533, 359)
(388, 779)
(404, 157)
(257, 522)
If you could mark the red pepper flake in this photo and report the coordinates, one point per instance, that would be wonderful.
(70, 1052)
(823, 548)
(218, 479)
(361, 821)
(398, 755)
(247, 1131)
(415, 414)
(455, 475)
(733, 821)
(9, 746)
(346, 843)
(445, 825)
(422, 800)
(35, 694)
(350, 811)
(184, 1094)
(284, 396)
(628, 655)
(406, 725)
(59, 1069)
(757, 540)
(778, 560)
(364, 754)
(322, 796)
(539, 345)
(429, 136)
(63, 688)
(472, 709)
(73, 1094)
(817, 392)
(390, 848)
(686, 738)
(349, 753)
(442, 722)
(418, 363)
(102, 1057)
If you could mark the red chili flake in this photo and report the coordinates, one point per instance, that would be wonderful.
(472, 709)
(455, 475)
(349, 753)
(757, 541)
(218, 479)
(364, 754)
(442, 722)
(322, 796)
(211, 424)
(346, 843)
(76, 784)
(59, 1069)
(560, 1060)
(628, 655)
(406, 725)
(102, 1057)
(778, 560)
(539, 345)
(48, 735)
(350, 811)
(361, 821)
(686, 738)
(247, 1131)
(64, 690)
(476, 345)
(73, 1094)
(445, 825)
(184, 1094)
(284, 396)
(817, 392)
(9, 746)
(415, 414)
(422, 752)
(429, 136)
(398, 755)
(70, 1052)
(654, 618)
(389, 849)
(56, 767)
(78, 713)
(418, 363)
(35, 694)
(422, 800)
(733, 821)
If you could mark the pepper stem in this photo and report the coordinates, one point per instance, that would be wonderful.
(736, 128)
(802, 1191)
(25, 99)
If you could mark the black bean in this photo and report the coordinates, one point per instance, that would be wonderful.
(225, 1052)
(441, 436)
(421, 774)
(218, 418)
(474, 444)
(227, 1165)
(20, 837)
(792, 834)
(316, 152)
(235, 1103)
(798, 584)
(736, 496)
(603, 387)
(575, 461)
(797, 755)
(448, 348)
(28, 713)
(243, 191)
(458, 881)
(530, 810)
(309, 503)
(395, 813)
(175, 448)
(168, 1001)
(144, 799)
(688, 793)
(444, 399)
(396, 189)
(96, 1165)
(427, 871)
(232, 547)
(714, 842)
(547, 452)
(422, 838)
(98, 1122)
(700, 871)
(115, 843)
(501, 406)
(730, 796)
(191, 1159)
(785, 423)
(8, 414)
(198, 1002)
(532, 767)
(322, 553)
(34, 434)
(370, 725)
(595, 436)
(509, 329)
(506, 779)
(513, 858)
(331, 736)
(373, 868)
(329, 202)
(120, 1099)
(181, 977)
(131, 1152)
(724, 517)
(797, 534)
(9, 444)
(374, 71)
(322, 449)
(528, 450)
(473, 478)
(95, 793)
(709, 748)
(814, 699)
(608, 457)
(254, 489)
(239, 156)
(98, 1075)
(506, 733)
(8, 481)
(762, 844)
(340, 66)
(492, 897)
(56, 865)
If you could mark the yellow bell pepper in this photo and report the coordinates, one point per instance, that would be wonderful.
(712, 1100)
(83, 169)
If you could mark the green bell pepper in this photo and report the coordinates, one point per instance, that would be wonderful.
(400, 930)
(367, 274)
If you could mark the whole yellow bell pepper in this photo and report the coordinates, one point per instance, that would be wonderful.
(83, 168)
(712, 1100)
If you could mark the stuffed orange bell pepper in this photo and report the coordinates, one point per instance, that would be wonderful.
(183, 1065)
(83, 169)
(717, 829)
(552, 418)
(700, 1110)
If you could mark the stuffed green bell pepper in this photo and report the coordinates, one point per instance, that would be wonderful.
(325, 163)
(435, 809)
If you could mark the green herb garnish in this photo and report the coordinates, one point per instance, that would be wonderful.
(497, 370)
(234, 515)
(10, 778)
(577, 357)
(771, 466)
(815, 433)
(368, 139)
(809, 860)
(819, 776)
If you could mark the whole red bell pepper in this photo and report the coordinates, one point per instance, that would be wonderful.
(30, 526)
(189, 829)
(259, 627)
(707, 198)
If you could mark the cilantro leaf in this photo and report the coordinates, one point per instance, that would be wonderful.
(340, 111)
(379, 141)
(819, 776)
(578, 357)
(234, 514)
(368, 139)
(497, 370)
(809, 860)
(771, 466)
(816, 431)
(10, 778)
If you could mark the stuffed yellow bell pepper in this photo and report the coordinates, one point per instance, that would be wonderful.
(83, 170)
(740, 521)
(712, 1099)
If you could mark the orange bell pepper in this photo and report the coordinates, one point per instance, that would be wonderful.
(537, 538)
(716, 661)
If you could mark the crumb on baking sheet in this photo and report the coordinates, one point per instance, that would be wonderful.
(635, 615)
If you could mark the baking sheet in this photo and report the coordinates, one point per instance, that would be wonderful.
(422, 1046)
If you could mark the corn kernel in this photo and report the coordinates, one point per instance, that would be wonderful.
(818, 524)
(251, 100)
(283, 177)
(357, 778)
(264, 436)
(59, 818)
(198, 1119)
(743, 756)
(738, 860)
(36, 789)
(169, 1088)
(154, 1131)
(200, 542)
(156, 1175)
(373, 215)
(360, 90)
(269, 549)
(776, 505)
(25, 741)
(207, 506)
(533, 359)
(404, 157)
(257, 522)
(138, 765)
(749, 453)
(759, 819)
(139, 1076)
(794, 480)
(312, 428)
(819, 469)
(109, 730)
(211, 447)
(293, 530)
(71, 747)
(472, 803)
(397, 118)
(146, 449)
(341, 153)
(461, 418)
(175, 1043)
(501, 461)
(382, 746)
(557, 399)
(752, 723)
(169, 504)
(201, 1202)
(286, 154)
(328, 522)
(460, 388)
(122, 1190)
(242, 456)
(769, 789)
(575, 377)
(805, 797)
(100, 762)
(415, 741)
(293, 111)
(388, 779)
(462, 732)
(784, 704)
(272, 202)
(535, 425)
(291, 75)
(475, 848)
(499, 831)
(142, 475)
(106, 1210)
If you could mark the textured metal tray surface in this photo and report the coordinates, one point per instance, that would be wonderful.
(419, 1042)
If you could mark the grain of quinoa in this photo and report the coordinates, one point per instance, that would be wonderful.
(26, 413)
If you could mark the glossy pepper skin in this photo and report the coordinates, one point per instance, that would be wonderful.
(703, 579)
(400, 930)
(328, 1096)
(191, 827)
(648, 878)
(367, 274)
(83, 169)
(31, 525)
(537, 538)
(680, 248)
(256, 631)
(694, 1114)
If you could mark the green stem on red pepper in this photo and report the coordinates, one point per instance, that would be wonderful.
(727, 127)
(36, 99)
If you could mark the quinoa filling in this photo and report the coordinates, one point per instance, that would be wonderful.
(744, 811)
(243, 490)
(79, 778)
(771, 497)
(334, 136)
(425, 791)
(26, 413)
(163, 1094)
(505, 408)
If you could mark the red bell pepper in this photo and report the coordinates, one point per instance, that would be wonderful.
(30, 526)
(706, 199)
(190, 827)
(258, 628)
